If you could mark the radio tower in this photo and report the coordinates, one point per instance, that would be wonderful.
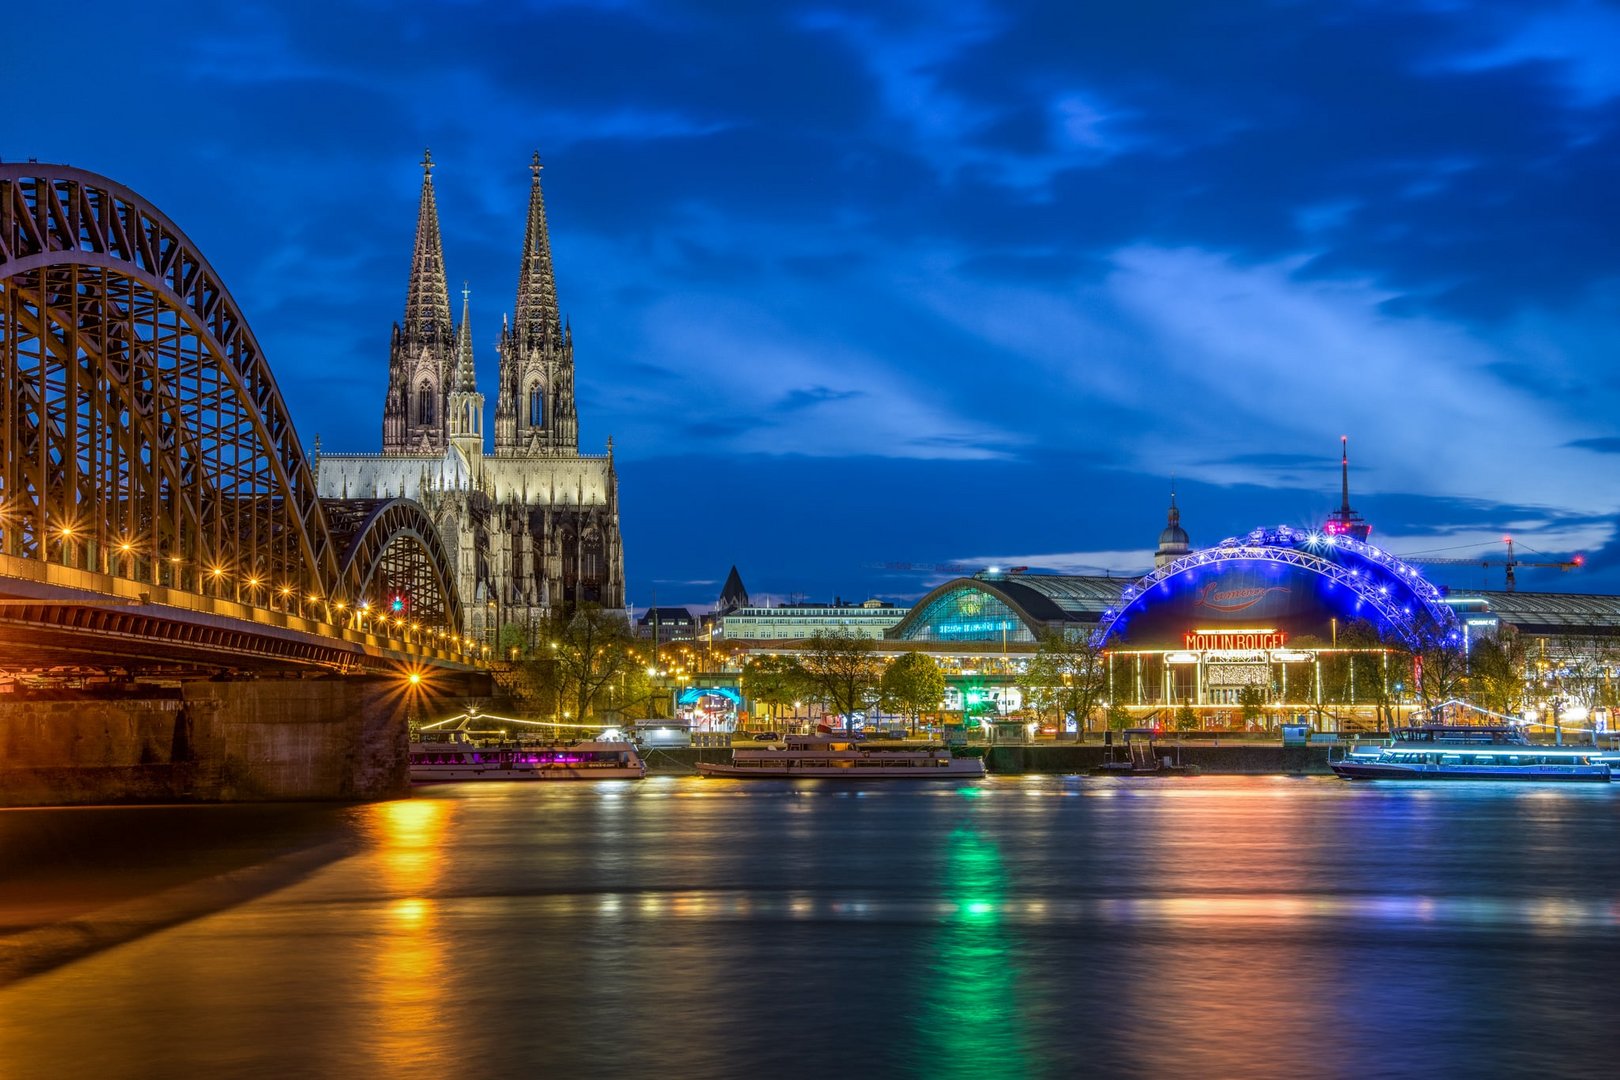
(1345, 521)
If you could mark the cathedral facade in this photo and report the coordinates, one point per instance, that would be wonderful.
(532, 527)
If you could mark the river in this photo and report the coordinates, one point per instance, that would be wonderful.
(681, 927)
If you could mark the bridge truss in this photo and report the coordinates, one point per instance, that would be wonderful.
(143, 437)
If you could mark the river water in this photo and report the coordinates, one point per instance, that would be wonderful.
(681, 927)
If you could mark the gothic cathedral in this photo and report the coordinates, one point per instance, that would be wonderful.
(533, 528)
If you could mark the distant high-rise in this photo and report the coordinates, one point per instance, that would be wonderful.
(533, 528)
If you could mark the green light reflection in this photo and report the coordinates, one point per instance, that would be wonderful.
(972, 1025)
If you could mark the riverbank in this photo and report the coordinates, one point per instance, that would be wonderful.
(1059, 759)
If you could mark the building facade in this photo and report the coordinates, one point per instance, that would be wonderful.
(799, 621)
(532, 528)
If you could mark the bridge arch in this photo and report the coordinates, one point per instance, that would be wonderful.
(1298, 580)
(144, 433)
(392, 548)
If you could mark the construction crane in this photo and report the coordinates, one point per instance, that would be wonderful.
(1572, 563)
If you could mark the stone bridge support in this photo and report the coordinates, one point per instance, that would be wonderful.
(249, 740)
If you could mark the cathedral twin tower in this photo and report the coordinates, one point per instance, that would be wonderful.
(533, 528)
(433, 400)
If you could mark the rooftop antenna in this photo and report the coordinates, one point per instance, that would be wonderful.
(1345, 521)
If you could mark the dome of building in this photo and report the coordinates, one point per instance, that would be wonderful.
(1173, 541)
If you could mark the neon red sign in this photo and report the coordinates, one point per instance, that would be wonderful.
(1235, 639)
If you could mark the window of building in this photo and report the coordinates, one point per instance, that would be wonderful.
(967, 614)
(424, 403)
(537, 406)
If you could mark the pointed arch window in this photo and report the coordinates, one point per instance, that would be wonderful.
(569, 547)
(424, 403)
(590, 556)
(537, 406)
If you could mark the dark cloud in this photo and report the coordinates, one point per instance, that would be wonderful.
(1607, 445)
(796, 400)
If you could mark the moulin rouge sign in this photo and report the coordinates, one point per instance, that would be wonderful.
(1232, 640)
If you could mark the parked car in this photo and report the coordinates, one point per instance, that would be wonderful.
(766, 736)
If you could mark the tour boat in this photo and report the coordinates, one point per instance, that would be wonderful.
(1436, 752)
(462, 759)
(831, 758)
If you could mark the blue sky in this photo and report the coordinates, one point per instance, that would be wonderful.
(858, 283)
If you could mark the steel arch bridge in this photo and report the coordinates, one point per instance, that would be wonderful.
(145, 437)
(1405, 602)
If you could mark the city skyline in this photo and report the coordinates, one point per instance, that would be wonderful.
(856, 285)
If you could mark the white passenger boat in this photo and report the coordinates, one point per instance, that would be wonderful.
(1472, 753)
(454, 759)
(824, 757)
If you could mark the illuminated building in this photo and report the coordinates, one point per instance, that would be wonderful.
(533, 527)
(795, 622)
(1301, 624)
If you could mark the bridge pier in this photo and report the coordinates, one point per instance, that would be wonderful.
(207, 741)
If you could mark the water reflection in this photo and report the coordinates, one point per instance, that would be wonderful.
(1046, 926)
(971, 1019)
(402, 976)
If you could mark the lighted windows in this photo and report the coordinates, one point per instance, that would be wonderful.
(969, 614)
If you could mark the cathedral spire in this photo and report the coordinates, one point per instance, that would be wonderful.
(464, 404)
(465, 380)
(421, 360)
(427, 298)
(537, 316)
(534, 411)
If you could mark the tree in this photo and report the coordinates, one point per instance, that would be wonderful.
(1186, 717)
(1069, 675)
(912, 684)
(1582, 671)
(1438, 664)
(842, 669)
(1252, 700)
(773, 681)
(590, 649)
(1496, 672)
(1367, 668)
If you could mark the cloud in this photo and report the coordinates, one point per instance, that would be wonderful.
(796, 400)
(1604, 445)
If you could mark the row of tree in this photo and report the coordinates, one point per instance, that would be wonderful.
(841, 671)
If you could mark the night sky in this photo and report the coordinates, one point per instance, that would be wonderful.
(859, 283)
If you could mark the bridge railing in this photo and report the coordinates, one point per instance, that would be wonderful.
(349, 625)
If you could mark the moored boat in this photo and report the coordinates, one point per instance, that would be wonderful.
(455, 759)
(1472, 753)
(831, 758)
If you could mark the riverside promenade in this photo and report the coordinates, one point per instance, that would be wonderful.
(1056, 759)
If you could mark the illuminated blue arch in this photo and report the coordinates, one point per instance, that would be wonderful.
(692, 695)
(1403, 600)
